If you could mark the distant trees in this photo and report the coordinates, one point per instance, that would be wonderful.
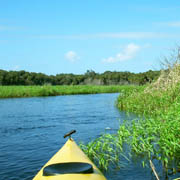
(90, 77)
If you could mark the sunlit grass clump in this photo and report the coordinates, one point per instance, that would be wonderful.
(48, 90)
(155, 136)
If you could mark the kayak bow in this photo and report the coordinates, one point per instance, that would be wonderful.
(69, 163)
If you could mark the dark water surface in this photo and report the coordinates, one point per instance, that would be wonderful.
(32, 129)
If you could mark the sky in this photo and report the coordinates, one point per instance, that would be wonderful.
(73, 36)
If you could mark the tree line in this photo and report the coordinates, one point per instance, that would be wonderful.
(89, 78)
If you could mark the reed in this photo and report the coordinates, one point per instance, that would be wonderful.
(155, 136)
(47, 90)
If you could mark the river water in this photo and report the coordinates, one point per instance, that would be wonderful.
(32, 129)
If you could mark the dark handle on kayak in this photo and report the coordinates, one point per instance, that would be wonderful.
(69, 134)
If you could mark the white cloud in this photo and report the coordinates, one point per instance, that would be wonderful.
(3, 28)
(71, 56)
(15, 68)
(174, 24)
(11, 28)
(129, 52)
(127, 35)
(118, 35)
(171, 24)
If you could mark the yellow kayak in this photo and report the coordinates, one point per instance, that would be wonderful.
(69, 163)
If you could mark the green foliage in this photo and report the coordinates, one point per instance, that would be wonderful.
(89, 78)
(155, 137)
(48, 90)
(108, 149)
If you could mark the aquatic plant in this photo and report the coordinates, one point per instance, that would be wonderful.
(107, 149)
(155, 137)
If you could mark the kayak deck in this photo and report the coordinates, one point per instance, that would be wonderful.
(69, 154)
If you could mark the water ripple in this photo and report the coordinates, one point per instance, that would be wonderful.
(31, 129)
(20, 129)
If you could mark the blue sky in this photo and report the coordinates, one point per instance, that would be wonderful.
(73, 36)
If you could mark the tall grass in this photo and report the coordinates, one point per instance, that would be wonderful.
(156, 136)
(31, 91)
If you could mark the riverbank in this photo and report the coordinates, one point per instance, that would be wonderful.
(35, 91)
(155, 137)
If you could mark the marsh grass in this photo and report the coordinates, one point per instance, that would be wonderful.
(156, 136)
(47, 90)
(107, 149)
